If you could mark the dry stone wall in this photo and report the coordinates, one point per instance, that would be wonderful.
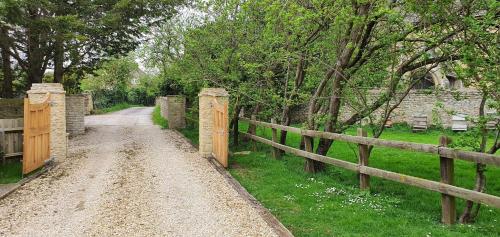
(75, 114)
(437, 106)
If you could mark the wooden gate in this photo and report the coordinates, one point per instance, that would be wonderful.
(220, 134)
(36, 144)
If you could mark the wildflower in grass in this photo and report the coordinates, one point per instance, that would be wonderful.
(289, 197)
(302, 186)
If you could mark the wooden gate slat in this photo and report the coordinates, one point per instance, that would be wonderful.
(36, 138)
(220, 133)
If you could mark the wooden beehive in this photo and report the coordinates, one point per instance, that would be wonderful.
(458, 123)
(419, 123)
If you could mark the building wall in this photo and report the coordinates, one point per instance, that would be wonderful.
(75, 114)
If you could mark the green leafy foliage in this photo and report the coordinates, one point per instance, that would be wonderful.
(121, 81)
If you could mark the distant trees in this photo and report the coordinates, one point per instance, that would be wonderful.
(120, 80)
(275, 55)
(72, 36)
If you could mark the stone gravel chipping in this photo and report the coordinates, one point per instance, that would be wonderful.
(127, 177)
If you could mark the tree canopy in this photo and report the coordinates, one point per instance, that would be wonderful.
(72, 36)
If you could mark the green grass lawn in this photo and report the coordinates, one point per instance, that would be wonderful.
(11, 172)
(158, 119)
(191, 130)
(330, 203)
(114, 108)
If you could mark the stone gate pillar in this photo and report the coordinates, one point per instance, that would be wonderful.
(206, 98)
(176, 111)
(75, 114)
(58, 138)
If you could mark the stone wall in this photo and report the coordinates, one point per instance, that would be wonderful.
(88, 103)
(438, 106)
(58, 138)
(11, 108)
(162, 102)
(176, 113)
(173, 109)
(75, 114)
(206, 98)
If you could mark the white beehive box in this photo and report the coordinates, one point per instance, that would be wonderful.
(458, 123)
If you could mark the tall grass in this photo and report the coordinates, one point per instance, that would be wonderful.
(158, 119)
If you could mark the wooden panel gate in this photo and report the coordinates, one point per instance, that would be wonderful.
(36, 143)
(220, 134)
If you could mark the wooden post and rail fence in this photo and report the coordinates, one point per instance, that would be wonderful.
(446, 155)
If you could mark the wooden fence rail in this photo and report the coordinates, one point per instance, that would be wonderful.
(447, 155)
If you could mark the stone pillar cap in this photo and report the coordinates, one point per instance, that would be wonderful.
(213, 92)
(53, 88)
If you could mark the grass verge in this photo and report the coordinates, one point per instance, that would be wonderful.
(114, 108)
(11, 172)
(330, 203)
(158, 119)
(191, 130)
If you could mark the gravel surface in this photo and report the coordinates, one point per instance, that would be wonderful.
(127, 177)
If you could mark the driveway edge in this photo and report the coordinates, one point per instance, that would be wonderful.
(268, 217)
(26, 180)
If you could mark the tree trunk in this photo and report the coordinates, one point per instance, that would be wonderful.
(35, 55)
(299, 79)
(349, 43)
(285, 120)
(252, 128)
(469, 215)
(7, 72)
(58, 58)
(234, 123)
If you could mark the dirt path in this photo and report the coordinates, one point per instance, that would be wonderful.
(127, 177)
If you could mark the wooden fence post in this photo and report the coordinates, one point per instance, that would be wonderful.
(253, 131)
(448, 208)
(364, 179)
(308, 146)
(276, 151)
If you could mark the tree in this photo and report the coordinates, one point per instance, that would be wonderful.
(75, 35)
(274, 55)
(478, 68)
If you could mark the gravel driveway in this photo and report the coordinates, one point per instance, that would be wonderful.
(127, 177)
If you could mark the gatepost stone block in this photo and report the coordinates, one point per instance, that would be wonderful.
(206, 99)
(58, 136)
